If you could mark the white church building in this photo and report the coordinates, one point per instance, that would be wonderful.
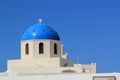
(43, 58)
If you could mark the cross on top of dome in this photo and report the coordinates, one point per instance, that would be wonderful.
(40, 20)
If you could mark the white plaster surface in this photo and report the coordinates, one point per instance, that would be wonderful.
(67, 76)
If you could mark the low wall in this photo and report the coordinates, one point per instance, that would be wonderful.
(66, 76)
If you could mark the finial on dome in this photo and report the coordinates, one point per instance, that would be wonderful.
(40, 20)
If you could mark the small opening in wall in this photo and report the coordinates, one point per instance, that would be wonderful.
(55, 48)
(27, 49)
(41, 48)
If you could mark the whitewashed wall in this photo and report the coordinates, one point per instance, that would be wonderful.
(59, 76)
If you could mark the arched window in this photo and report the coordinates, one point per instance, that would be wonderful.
(55, 48)
(27, 49)
(41, 48)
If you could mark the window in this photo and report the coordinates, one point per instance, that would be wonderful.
(41, 50)
(104, 78)
(55, 48)
(27, 49)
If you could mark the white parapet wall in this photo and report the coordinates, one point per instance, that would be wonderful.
(64, 76)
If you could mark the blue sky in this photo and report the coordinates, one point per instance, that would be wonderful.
(89, 29)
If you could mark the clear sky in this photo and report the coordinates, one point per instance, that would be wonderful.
(89, 29)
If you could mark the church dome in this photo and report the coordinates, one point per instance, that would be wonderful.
(40, 31)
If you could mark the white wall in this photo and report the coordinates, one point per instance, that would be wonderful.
(59, 76)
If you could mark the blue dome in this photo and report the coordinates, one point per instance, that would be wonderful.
(40, 31)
